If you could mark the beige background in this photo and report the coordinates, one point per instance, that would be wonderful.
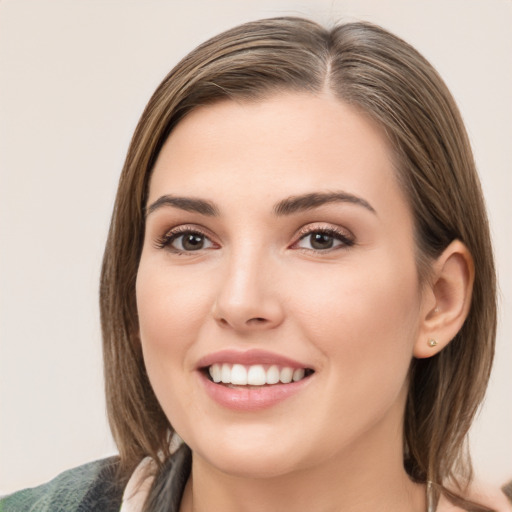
(74, 78)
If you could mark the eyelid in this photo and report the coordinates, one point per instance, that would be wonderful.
(164, 241)
(341, 234)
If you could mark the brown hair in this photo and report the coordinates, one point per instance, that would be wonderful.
(386, 78)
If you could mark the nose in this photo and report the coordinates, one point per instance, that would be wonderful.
(248, 297)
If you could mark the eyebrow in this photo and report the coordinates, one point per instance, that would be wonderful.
(288, 206)
(188, 204)
(305, 202)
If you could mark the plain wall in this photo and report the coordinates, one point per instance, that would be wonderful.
(74, 78)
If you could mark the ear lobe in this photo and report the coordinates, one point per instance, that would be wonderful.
(451, 286)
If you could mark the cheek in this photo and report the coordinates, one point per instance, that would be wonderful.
(365, 320)
(171, 307)
(171, 314)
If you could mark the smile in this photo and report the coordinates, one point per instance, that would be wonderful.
(255, 375)
(252, 380)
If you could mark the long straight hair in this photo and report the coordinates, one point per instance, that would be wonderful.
(384, 77)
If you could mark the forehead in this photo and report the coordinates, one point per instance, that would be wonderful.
(288, 144)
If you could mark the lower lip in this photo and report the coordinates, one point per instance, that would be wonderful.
(251, 398)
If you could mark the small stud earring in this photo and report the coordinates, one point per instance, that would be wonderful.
(432, 342)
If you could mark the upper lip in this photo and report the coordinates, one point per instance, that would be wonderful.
(249, 357)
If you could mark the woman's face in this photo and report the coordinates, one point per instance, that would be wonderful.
(279, 246)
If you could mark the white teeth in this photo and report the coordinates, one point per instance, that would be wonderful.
(239, 375)
(273, 375)
(298, 374)
(286, 375)
(216, 372)
(254, 375)
(225, 374)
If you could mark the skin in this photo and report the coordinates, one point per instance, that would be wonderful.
(356, 314)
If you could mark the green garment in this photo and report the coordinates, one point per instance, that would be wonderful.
(87, 488)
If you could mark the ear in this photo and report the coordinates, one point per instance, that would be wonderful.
(446, 300)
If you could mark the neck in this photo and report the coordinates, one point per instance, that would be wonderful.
(367, 476)
(319, 492)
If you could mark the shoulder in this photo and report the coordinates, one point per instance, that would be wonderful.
(85, 488)
(507, 490)
(486, 495)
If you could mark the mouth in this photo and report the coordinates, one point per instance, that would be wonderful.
(256, 375)
(252, 380)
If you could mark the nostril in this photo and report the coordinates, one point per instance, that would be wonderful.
(257, 320)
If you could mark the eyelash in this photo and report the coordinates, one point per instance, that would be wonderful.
(337, 234)
(166, 240)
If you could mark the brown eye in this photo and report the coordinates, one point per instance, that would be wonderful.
(189, 241)
(324, 240)
(321, 241)
(192, 242)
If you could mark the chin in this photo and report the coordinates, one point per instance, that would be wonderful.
(249, 456)
(258, 466)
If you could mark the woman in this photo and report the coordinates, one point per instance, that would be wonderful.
(298, 281)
